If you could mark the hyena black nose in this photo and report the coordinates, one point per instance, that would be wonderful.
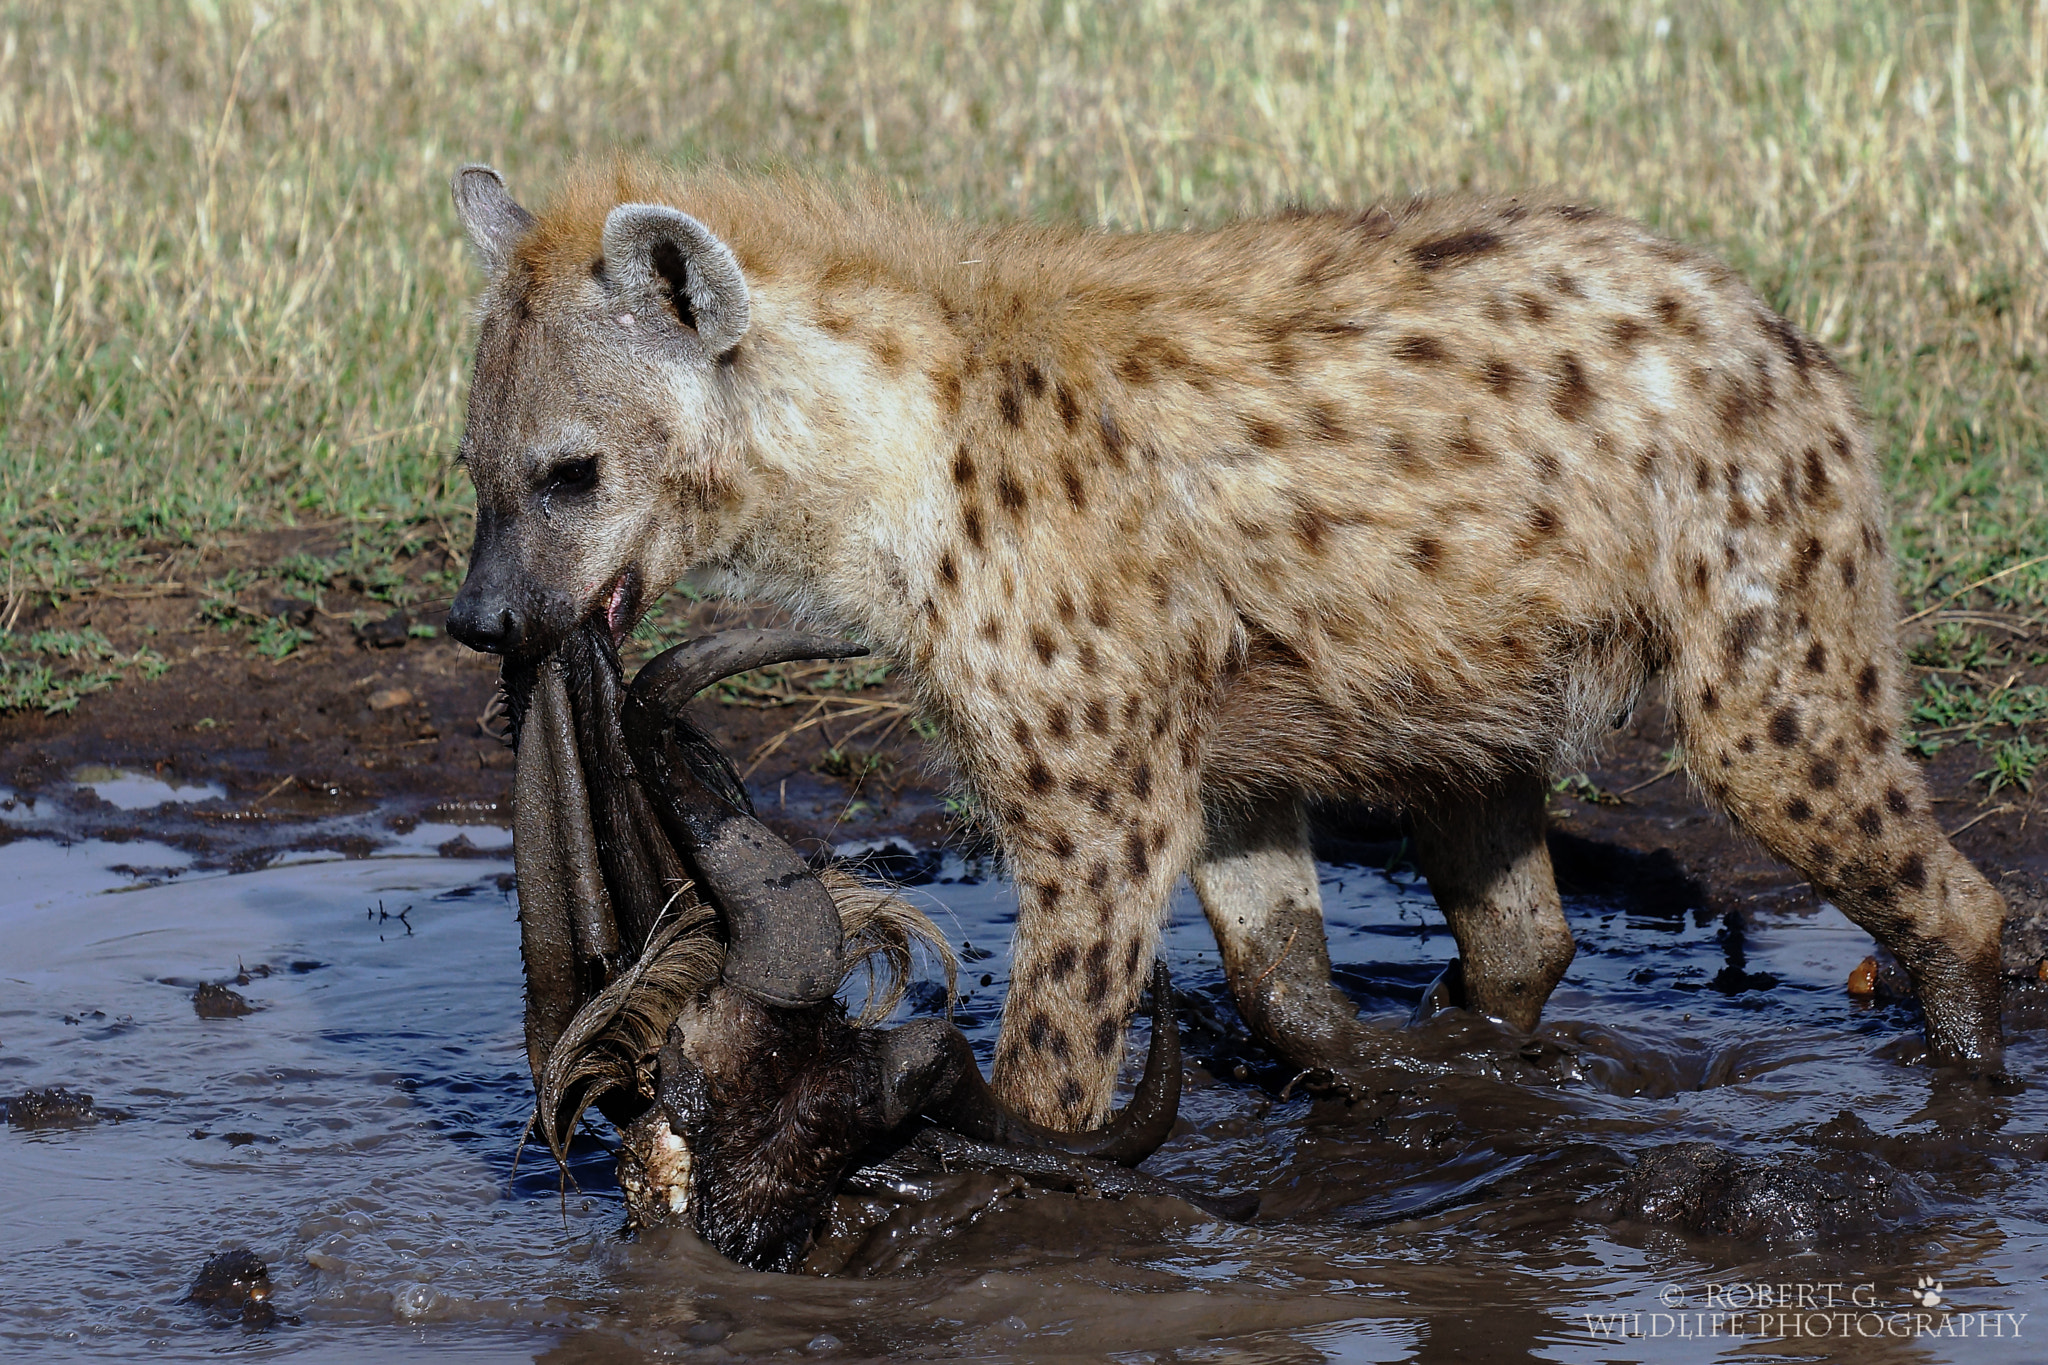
(492, 628)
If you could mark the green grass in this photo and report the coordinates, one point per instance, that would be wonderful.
(233, 295)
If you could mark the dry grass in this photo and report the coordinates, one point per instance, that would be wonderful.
(232, 292)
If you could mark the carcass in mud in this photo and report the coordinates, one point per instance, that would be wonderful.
(683, 962)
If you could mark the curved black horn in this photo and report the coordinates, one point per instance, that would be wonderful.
(930, 1068)
(784, 941)
(675, 675)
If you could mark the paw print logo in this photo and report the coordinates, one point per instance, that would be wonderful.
(1926, 1293)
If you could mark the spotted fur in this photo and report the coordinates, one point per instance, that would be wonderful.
(1406, 503)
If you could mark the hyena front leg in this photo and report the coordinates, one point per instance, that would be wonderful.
(1256, 878)
(1489, 868)
(1094, 853)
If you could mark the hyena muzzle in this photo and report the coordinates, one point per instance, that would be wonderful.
(1172, 532)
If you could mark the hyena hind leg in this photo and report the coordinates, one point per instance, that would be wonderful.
(1489, 868)
(1831, 793)
(1256, 879)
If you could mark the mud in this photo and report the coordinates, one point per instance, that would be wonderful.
(357, 1134)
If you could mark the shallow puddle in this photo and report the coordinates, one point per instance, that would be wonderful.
(358, 1131)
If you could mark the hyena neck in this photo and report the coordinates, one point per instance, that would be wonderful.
(847, 482)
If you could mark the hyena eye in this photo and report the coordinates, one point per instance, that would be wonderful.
(573, 476)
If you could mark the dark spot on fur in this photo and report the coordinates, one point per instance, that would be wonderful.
(1913, 872)
(1870, 822)
(1150, 357)
(1465, 246)
(1418, 349)
(1547, 467)
(1738, 409)
(1675, 317)
(1823, 774)
(1328, 425)
(1113, 441)
(1043, 644)
(1098, 876)
(1068, 409)
(1573, 395)
(1810, 555)
(1544, 521)
(1534, 307)
(1108, 1033)
(1062, 845)
(1427, 552)
(1574, 213)
(1310, 527)
(1264, 433)
(971, 522)
(949, 572)
(1085, 655)
(1034, 379)
(1077, 492)
(1038, 1031)
(1848, 573)
(1784, 727)
(1817, 658)
(1742, 634)
(1097, 716)
(1500, 377)
(1877, 739)
(1141, 780)
(1747, 744)
(1135, 855)
(1626, 334)
(1710, 700)
(1789, 341)
(1071, 1094)
(1011, 404)
(1010, 493)
(1058, 721)
(1561, 283)
(1020, 730)
(1822, 853)
(963, 467)
(1063, 962)
(1797, 811)
(1038, 777)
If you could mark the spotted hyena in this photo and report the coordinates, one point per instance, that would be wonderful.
(1173, 531)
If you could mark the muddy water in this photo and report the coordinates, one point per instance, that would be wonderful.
(358, 1132)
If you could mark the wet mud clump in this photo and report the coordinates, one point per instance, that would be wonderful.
(1698, 1188)
(55, 1107)
(235, 1287)
(212, 1001)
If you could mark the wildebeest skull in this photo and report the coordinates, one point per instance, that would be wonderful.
(683, 962)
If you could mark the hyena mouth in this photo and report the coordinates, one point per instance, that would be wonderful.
(622, 604)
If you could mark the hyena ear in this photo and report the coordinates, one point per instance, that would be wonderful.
(494, 223)
(662, 252)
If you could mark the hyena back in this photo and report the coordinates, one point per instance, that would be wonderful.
(1173, 531)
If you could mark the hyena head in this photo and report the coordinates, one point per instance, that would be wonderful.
(597, 436)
